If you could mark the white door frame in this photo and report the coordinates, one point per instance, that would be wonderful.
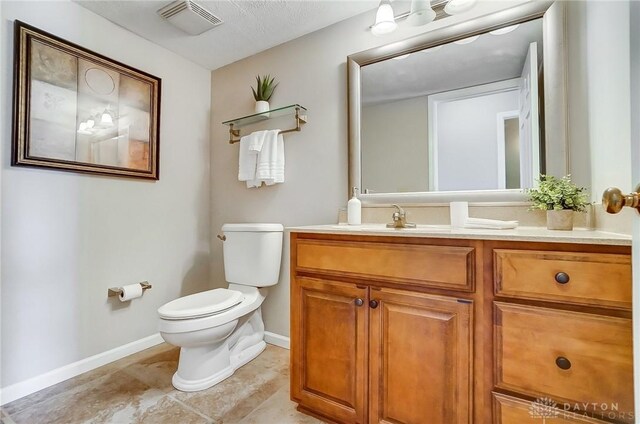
(434, 100)
(635, 174)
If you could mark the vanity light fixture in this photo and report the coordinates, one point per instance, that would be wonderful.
(385, 21)
(421, 13)
(453, 7)
(505, 30)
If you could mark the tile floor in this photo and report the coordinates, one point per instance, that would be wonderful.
(137, 389)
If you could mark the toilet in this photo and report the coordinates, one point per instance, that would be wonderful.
(220, 330)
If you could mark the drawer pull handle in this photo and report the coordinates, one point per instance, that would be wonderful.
(562, 278)
(359, 302)
(563, 363)
(373, 304)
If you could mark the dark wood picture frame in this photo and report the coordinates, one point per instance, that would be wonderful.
(76, 110)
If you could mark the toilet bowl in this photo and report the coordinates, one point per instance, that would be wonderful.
(220, 330)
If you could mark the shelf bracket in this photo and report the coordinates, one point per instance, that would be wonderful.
(233, 133)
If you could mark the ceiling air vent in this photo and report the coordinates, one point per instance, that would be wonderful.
(189, 17)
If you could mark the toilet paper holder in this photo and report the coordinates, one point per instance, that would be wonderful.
(115, 291)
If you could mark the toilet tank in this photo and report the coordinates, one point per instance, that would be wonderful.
(252, 253)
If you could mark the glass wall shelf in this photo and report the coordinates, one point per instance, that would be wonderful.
(299, 113)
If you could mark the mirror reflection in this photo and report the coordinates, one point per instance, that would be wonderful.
(467, 115)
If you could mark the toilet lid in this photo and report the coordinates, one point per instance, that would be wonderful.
(201, 304)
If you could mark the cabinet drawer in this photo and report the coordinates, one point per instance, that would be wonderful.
(600, 279)
(511, 410)
(450, 267)
(568, 356)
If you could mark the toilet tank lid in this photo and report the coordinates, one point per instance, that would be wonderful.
(252, 227)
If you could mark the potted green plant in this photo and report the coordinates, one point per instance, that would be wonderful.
(263, 92)
(560, 197)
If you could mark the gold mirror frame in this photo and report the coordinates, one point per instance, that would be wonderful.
(555, 104)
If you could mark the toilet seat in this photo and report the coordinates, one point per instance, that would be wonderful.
(201, 304)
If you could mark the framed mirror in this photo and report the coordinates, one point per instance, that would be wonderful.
(474, 111)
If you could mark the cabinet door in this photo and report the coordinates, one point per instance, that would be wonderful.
(329, 348)
(420, 358)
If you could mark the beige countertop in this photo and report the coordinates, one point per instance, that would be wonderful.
(535, 234)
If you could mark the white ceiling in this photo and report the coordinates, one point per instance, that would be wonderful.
(249, 26)
(488, 59)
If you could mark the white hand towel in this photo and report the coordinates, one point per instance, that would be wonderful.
(256, 142)
(248, 157)
(270, 166)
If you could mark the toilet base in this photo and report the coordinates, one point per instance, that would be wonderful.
(202, 367)
(236, 362)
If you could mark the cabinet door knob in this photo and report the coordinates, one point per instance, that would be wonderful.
(562, 278)
(359, 302)
(563, 363)
(373, 304)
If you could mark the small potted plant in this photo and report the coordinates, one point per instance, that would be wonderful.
(560, 198)
(263, 92)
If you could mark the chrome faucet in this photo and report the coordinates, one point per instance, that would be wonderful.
(400, 219)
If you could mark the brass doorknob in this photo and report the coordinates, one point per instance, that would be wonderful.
(614, 200)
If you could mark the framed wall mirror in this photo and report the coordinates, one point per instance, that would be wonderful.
(473, 111)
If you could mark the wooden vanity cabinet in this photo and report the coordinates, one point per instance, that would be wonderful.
(441, 331)
(329, 360)
(562, 332)
(371, 347)
(419, 358)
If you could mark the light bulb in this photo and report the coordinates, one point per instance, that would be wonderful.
(106, 118)
(421, 13)
(90, 123)
(385, 21)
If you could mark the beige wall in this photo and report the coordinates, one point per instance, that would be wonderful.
(312, 72)
(395, 151)
(67, 237)
(608, 99)
(598, 90)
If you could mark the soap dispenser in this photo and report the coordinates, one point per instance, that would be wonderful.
(354, 209)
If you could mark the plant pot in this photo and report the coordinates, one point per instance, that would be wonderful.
(560, 220)
(262, 106)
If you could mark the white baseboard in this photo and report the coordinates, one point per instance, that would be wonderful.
(32, 385)
(277, 339)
